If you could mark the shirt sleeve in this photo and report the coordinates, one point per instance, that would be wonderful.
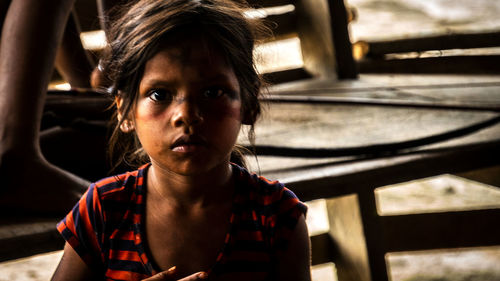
(289, 210)
(82, 228)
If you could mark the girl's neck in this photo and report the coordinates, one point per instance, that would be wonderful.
(189, 190)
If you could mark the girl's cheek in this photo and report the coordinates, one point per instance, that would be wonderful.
(234, 113)
(146, 110)
(230, 111)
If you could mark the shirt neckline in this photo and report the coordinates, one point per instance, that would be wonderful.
(140, 237)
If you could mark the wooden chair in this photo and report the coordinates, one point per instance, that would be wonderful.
(359, 238)
(321, 26)
(376, 60)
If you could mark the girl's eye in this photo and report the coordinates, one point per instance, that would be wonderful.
(213, 93)
(159, 95)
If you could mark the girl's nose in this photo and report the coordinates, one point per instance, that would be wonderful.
(187, 113)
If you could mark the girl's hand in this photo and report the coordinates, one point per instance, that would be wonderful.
(170, 275)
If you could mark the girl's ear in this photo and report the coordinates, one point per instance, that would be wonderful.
(126, 125)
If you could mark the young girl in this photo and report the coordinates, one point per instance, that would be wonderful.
(184, 82)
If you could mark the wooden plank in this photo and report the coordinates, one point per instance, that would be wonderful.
(314, 30)
(457, 229)
(446, 65)
(376, 149)
(361, 176)
(286, 75)
(291, 97)
(28, 237)
(346, 230)
(269, 3)
(346, 67)
(371, 83)
(323, 249)
(490, 175)
(374, 240)
(282, 25)
(85, 105)
(440, 42)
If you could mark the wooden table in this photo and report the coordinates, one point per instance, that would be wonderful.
(374, 110)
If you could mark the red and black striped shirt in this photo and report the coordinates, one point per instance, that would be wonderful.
(105, 227)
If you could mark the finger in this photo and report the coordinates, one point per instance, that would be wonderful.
(196, 276)
(163, 276)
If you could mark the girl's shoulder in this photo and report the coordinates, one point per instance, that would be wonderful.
(256, 189)
(247, 181)
(117, 186)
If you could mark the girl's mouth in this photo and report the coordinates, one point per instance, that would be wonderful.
(186, 148)
(188, 143)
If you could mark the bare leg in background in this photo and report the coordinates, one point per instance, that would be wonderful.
(32, 31)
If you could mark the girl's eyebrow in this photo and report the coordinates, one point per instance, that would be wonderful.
(205, 79)
(148, 84)
(158, 82)
(220, 76)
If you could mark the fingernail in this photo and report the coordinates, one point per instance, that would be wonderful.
(172, 269)
(203, 275)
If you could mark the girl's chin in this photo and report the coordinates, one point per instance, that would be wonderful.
(194, 167)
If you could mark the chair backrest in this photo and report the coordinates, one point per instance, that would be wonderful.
(321, 26)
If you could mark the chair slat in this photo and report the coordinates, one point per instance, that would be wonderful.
(473, 228)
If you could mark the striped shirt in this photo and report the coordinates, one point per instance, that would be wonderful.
(105, 227)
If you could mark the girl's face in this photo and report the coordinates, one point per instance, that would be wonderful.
(188, 112)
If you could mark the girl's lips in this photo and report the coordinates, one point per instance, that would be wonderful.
(186, 148)
(188, 143)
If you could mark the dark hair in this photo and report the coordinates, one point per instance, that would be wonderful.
(145, 26)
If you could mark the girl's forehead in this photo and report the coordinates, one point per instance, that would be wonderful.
(192, 49)
(189, 61)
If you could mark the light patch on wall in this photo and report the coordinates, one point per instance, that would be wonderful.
(279, 55)
(317, 217)
(60, 86)
(265, 12)
(93, 40)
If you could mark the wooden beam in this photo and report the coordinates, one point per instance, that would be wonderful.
(314, 30)
(299, 97)
(375, 245)
(489, 175)
(286, 75)
(70, 105)
(346, 67)
(282, 25)
(361, 176)
(323, 249)
(440, 42)
(475, 228)
(446, 65)
(33, 237)
(269, 3)
(346, 230)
